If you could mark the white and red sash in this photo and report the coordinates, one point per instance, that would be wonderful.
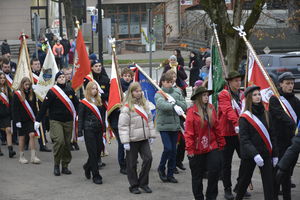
(140, 111)
(67, 102)
(9, 80)
(88, 77)
(28, 109)
(289, 108)
(4, 99)
(94, 109)
(236, 106)
(35, 78)
(260, 128)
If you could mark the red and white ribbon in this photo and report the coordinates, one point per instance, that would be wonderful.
(35, 78)
(94, 109)
(289, 108)
(140, 111)
(9, 80)
(4, 99)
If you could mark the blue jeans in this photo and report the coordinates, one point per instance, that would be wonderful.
(169, 140)
(66, 60)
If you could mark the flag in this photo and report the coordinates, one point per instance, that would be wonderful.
(216, 81)
(23, 67)
(148, 88)
(47, 76)
(83, 61)
(115, 90)
(255, 76)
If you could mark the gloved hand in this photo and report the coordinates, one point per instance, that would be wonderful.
(171, 99)
(80, 138)
(18, 125)
(259, 160)
(178, 110)
(280, 175)
(37, 125)
(275, 161)
(151, 140)
(126, 146)
(237, 129)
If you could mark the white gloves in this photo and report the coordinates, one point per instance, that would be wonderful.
(237, 129)
(259, 161)
(275, 161)
(37, 125)
(151, 140)
(18, 125)
(171, 99)
(81, 139)
(178, 110)
(126, 146)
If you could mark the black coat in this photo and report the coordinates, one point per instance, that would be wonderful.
(195, 65)
(284, 125)
(181, 75)
(57, 109)
(5, 48)
(19, 113)
(180, 61)
(4, 110)
(251, 142)
(87, 120)
(67, 46)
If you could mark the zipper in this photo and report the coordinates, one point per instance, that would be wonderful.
(143, 128)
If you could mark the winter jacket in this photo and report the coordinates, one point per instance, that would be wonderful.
(57, 109)
(227, 115)
(285, 126)
(133, 127)
(195, 66)
(181, 75)
(58, 50)
(202, 139)
(19, 112)
(251, 143)
(166, 117)
(67, 46)
(103, 82)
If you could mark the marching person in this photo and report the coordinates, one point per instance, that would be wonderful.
(170, 104)
(229, 110)
(285, 124)
(92, 126)
(257, 143)
(61, 102)
(24, 112)
(203, 144)
(195, 65)
(137, 132)
(5, 113)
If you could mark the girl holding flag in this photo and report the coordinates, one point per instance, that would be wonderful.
(257, 143)
(5, 112)
(24, 111)
(91, 125)
(137, 131)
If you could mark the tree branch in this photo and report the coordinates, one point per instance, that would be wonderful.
(254, 16)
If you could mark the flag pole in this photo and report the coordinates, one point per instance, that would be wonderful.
(247, 71)
(243, 34)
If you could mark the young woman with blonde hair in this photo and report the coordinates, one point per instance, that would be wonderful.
(137, 131)
(91, 125)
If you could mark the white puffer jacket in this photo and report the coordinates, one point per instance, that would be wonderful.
(134, 128)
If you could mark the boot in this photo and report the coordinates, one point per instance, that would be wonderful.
(75, 145)
(56, 170)
(34, 159)
(228, 194)
(11, 152)
(97, 179)
(22, 159)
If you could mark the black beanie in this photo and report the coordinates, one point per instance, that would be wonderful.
(93, 62)
(58, 74)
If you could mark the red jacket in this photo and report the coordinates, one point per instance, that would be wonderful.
(227, 115)
(201, 140)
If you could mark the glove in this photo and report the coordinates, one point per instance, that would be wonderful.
(18, 125)
(280, 175)
(178, 110)
(37, 125)
(259, 161)
(80, 138)
(126, 146)
(151, 140)
(275, 161)
(237, 129)
(171, 99)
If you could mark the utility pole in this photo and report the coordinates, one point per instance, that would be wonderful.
(100, 35)
(60, 19)
(150, 32)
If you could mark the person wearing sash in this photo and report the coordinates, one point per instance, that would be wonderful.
(257, 143)
(203, 144)
(91, 125)
(62, 103)
(137, 132)
(24, 112)
(229, 110)
(285, 124)
(170, 105)
(5, 112)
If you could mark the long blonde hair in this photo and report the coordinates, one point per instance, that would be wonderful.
(200, 105)
(130, 100)
(88, 93)
(7, 90)
(21, 88)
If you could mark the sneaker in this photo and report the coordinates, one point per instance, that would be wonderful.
(171, 179)
(134, 190)
(22, 159)
(162, 175)
(146, 189)
(97, 179)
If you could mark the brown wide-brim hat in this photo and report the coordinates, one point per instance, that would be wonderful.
(200, 90)
(234, 74)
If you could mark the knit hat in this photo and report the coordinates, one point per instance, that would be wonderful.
(93, 62)
(58, 74)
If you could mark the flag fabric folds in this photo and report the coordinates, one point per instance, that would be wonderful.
(46, 78)
(83, 61)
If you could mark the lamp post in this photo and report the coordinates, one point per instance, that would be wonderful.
(100, 34)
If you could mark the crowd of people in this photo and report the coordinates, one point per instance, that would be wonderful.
(209, 135)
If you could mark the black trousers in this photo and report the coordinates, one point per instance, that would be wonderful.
(232, 143)
(248, 166)
(121, 150)
(180, 150)
(93, 139)
(142, 148)
(198, 165)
